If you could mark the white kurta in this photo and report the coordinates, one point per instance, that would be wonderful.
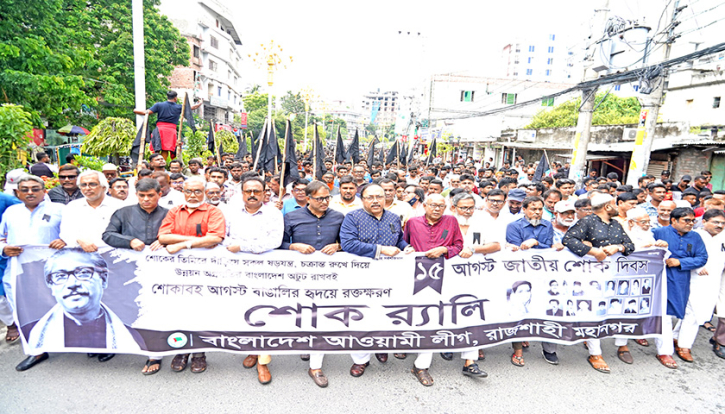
(704, 289)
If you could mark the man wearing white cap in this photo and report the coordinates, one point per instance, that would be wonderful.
(11, 180)
(110, 171)
(604, 237)
(638, 229)
(564, 217)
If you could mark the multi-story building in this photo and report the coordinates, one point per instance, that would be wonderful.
(214, 72)
(544, 58)
(380, 107)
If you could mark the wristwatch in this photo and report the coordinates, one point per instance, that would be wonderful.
(188, 244)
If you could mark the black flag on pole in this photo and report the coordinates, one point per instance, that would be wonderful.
(432, 151)
(371, 152)
(210, 144)
(291, 173)
(242, 151)
(318, 156)
(136, 146)
(353, 152)
(392, 153)
(340, 153)
(541, 169)
(188, 114)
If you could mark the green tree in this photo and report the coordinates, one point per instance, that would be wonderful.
(293, 104)
(15, 132)
(110, 137)
(613, 110)
(63, 58)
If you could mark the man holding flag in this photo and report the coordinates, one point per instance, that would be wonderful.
(168, 113)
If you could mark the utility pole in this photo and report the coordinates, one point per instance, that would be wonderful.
(578, 168)
(139, 65)
(650, 111)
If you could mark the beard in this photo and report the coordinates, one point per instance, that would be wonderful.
(640, 233)
(193, 205)
(214, 202)
(533, 222)
(462, 221)
(565, 222)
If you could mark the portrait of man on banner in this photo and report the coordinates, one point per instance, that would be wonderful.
(79, 319)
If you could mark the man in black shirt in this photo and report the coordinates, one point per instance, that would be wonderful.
(41, 168)
(168, 119)
(68, 189)
(137, 226)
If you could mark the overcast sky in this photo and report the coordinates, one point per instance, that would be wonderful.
(342, 49)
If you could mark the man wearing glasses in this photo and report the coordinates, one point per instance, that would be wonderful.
(687, 253)
(68, 189)
(436, 235)
(299, 199)
(310, 229)
(77, 279)
(194, 224)
(34, 221)
(256, 228)
(371, 232)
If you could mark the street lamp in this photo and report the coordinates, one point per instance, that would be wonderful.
(271, 56)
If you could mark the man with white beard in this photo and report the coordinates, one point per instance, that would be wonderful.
(564, 217)
(704, 285)
(638, 229)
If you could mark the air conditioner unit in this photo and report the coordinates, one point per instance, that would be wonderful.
(629, 134)
(526, 135)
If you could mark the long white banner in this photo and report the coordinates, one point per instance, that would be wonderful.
(124, 301)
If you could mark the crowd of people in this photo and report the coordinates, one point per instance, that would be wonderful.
(437, 209)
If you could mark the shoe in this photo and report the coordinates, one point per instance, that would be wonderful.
(423, 376)
(717, 349)
(105, 357)
(356, 370)
(550, 357)
(31, 361)
(263, 374)
(642, 342)
(198, 364)
(473, 371)
(92, 355)
(625, 357)
(249, 361)
(318, 377)
(382, 358)
(597, 362)
(179, 362)
(684, 354)
(667, 361)
(448, 356)
(481, 355)
(305, 357)
(400, 356)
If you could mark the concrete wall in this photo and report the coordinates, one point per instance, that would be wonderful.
(691, 161)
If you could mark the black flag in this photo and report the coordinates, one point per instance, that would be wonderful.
(392, 153)
(242, 151)
(291, 172)
(403, 157)
(353, 152)
(371, 152)
(273, 153)
(432, 151)
(188, 114)
(136, 146)
(256, 143)
(412, 151)
(210, 144)
(541, 169)
(340, 153)
(318, 156)
(155, 141)
(381, 155)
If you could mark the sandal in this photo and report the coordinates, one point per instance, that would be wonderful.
(13, 334)
(642, 342)
(707, 325)
(517, 360)
(597, 362)
(481, 355)
(151, 363)
(717, 349)
(358, 369)
(525, 344)
(400, 356)
(667, 361)
(423, 376)
(179, 362)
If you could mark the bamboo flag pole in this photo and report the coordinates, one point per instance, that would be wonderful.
(259, 145)
(314, 155)
(179, 142)
(284, 165)
(217, 148)
(276, 162)
(143, 138)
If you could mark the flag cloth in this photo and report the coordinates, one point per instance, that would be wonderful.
(136, 146)
(353, 152)
(541, 169)
(155, 140)
(432, 151)
(188, 114)
(381, 155)
(411, 152)
(318, 156)
(210, 144)
(392, 153)
(271, 148)
(242, 151)
(403, 157)
(371, 152)
(291, 173)
(340, 153)
(256, 143)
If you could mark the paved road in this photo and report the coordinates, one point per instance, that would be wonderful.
(73, 383)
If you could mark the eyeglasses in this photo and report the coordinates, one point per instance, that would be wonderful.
(67, 177)
(642, 222)
(688, 221)
(254, 192)
(298, 190)
(80, 273)
(195, 192)
(321, 199)
(374, 198)
(89, 185)
(30, 190)
(213, 193)
(718, 223)
(496, 201)
(465, 208)
(437, 206)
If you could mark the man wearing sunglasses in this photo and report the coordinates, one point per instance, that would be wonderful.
(313, 228)
(68, 189)
(34, 221)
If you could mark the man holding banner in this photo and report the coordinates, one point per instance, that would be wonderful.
(194, 224)
(310, 229)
